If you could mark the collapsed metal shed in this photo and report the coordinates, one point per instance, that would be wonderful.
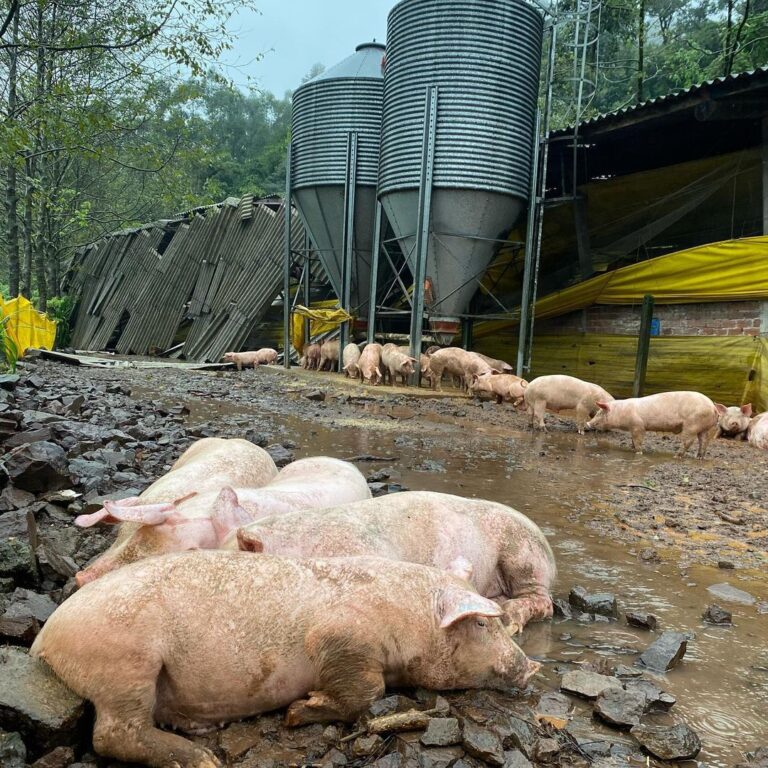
(209, 274)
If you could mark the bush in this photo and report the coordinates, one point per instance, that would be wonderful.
(9, 352)
(61, 309)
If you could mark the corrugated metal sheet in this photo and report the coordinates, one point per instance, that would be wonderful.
(216, 268)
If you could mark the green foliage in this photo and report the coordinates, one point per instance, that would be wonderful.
(60, 309)
(9, 352)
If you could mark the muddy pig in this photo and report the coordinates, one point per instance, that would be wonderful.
(205, 467)
(498, 549)
(329, 356)
(733, 421)
(264, 356)
(557, 393)
(349, 358)
(369, 364)
(396, 363)
(691, 415)
(195, 639)
(757, 434)
(311, 357)
(502, 386)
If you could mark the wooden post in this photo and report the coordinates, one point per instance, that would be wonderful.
(643, 345)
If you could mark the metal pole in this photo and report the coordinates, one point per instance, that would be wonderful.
(374, 273)
(287, 263)
(643, 346)
(307, 288)
(466, 332)
(525, 299)
(350, 184)
(423, 224)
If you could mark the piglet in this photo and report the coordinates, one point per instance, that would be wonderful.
(733, 421)
(558, 393)
(195, 639)
(203, 520)
(691, 415)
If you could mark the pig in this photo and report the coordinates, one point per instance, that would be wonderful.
(204, 520)
(425, 371)
(264, 356)
(396, 363)
(733, 421)
(349, 358)
(559, 392)
(312, 356)
(690, 414)
(500, 551)
(757, 433)
(195, 639)
(329, 356)
(497, 365)
(502, 386)
(369, 364)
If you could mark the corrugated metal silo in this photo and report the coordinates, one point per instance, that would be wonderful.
(484, 57)
(345, 98)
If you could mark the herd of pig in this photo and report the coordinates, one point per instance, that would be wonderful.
(233, 589)
(692, 415)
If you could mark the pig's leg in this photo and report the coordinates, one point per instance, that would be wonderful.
(349, 679)
(239, 365)
(686, 441)
(705, 438)
(539, 408)
(526, 573)
(638, 435)
(582, 417)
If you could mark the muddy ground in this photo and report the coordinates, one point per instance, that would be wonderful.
(655, 530)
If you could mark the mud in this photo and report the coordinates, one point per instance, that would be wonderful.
(654, 530)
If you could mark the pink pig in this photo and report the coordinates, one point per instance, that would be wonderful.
(264, 356)
(733, 421)
(203, 520)
(194, 639)
(557, 393)
(691, 415)
(503, 553)
(502, 386)
(757, 434)
(369, 364)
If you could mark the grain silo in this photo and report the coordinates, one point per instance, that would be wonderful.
(345, 99)
(484, 58)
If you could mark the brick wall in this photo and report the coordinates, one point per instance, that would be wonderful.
(726, 318)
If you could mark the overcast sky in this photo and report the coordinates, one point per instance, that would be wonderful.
(293, 35)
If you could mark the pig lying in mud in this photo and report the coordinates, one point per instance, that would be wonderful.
(502, 386)
(195, 639)
(349, 359)
(499, 550)
(734, 421)
(757, 434)
(558, 393)
(265, 356)
(203, 520)
(691, 415)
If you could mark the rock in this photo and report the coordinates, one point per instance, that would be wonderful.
(442, 732)
(439, 757)
(13, 753)
(13, 524)
(726, 565)
(378, 476)
(28, 436)
(8, 381)
(61, 757)
(601, 603)
(54, 565)
(238, 738)
(642, 620)
(331, 734)
(88, 473)
(15, 498)
(430, 465)
(483, 744)
(655, 698)
(757, 758)
(516, 732)
(588, 685)
(315, 394)
(364, 746)
(16, 560)
(514, 758)
(333, 759)
(7, 584)
(22, 618)
(554, 704)
(547, 750)
(717, 615)
(281, 456)
(650, 555)
(665, 653)
(38, 467)
(561, 609)
(731, 594)
(390, 705)
(35, 703)
(677, 742)
(622, 670)
(392, 760)
(619, 707)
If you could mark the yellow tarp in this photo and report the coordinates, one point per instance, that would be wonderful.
(322, 316)
(26, 326)
(732, 270)
(729, 369)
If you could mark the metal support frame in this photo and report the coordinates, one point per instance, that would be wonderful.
(374, 274)
(583, 246)
(350, 188)
(307, 286)
(467, 328)
(423, 222)
(765, 175)
(287, 261)
(643, 346)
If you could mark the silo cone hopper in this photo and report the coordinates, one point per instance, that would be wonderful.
(484, 58)
(345, 98)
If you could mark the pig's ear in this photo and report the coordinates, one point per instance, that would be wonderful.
(747, 409)
(720, 408)
(227, 514)
(603, 406)
(455, 604)
(249, 541)
(129, 510)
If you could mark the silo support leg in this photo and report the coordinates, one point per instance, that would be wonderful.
(374, 274)
(287, 264)
(350, 186)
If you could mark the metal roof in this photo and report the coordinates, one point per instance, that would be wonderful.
(715, 85)
(364, 62)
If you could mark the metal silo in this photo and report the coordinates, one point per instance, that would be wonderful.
(346, 98)
(484, 58)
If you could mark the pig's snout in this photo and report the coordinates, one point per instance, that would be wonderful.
(528, 669)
